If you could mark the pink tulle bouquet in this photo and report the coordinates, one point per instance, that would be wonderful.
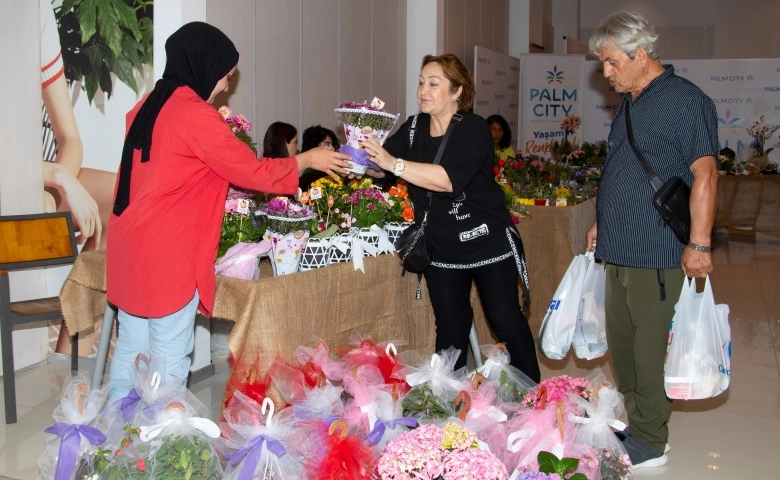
(240, 126)
(553, 389)
(430, 453)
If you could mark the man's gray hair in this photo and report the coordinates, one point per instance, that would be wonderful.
(626, 31)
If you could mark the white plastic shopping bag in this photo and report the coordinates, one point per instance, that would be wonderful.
(590, 334)
(561, 317)
(698, 356)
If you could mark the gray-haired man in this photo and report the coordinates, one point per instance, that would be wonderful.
(674, 125)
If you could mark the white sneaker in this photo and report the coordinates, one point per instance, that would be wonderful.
(667, 448)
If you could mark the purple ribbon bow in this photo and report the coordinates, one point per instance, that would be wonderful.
(128, 404)
(379, 428)
(303, 412)
(251, 452)
(69, 445)
(359, 156)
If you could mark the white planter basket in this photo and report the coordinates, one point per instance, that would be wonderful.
(394, 230)
(336, 255)
(369, 237)
(316, 254)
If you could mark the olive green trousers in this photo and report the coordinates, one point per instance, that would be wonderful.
(637, 334)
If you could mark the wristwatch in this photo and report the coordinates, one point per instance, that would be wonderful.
(699, 248)
(399, 167)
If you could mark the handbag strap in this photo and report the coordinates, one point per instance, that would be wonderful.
(411, 130)
(654, 180)
(455, 118)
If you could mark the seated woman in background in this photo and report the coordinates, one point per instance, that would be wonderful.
(280, 141)
(502, 135)
(313, 137)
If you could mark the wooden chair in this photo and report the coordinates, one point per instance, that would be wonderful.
(31, 241)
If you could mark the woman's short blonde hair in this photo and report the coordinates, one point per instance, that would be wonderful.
(458, 75)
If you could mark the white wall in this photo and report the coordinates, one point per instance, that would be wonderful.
(735, 28)
(424, 35)
(300, 58)
(21, 162)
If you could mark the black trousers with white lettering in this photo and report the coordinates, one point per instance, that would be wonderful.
(497, 284)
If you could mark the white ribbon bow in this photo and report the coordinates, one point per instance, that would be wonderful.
(385, 246)
(371, 411)
(203, 424)
(516, 439)
(435, 375)
(359, 246)
(598, 418)
(343, 244)
(490, 411)
(488, 366)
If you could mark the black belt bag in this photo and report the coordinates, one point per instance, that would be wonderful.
(671, 198)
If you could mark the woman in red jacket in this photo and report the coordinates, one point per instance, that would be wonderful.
(178, 159)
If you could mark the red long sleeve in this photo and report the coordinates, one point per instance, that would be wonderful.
(165, 243)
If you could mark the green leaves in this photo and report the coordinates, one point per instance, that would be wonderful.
(101, 37)
(549, 463)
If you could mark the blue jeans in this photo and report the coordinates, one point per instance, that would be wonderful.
(168, 341)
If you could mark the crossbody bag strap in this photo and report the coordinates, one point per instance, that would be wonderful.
(655, 181)
(455, 119)
(411, 131)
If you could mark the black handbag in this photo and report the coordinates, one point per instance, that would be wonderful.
(412, 246)
(671, 198)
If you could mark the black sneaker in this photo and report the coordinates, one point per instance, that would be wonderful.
(642, 456)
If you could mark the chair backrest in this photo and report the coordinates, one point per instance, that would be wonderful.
(38, 240)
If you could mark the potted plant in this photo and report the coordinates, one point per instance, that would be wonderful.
(288, 225)
(367, 210)
(400, 214)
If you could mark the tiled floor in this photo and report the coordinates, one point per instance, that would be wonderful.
(735, 435)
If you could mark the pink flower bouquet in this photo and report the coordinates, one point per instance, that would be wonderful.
(430, 452)
(240, 126)
(553, 389)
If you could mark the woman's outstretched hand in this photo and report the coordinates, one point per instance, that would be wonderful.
(333, 163)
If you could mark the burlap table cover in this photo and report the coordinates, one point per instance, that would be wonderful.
(274, 315)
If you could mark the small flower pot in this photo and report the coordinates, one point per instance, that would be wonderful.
(336, 254)
(316, 254)
(540, 202)
(561, 202)
(286, 251)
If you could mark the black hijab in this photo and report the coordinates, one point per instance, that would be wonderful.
(198, 56)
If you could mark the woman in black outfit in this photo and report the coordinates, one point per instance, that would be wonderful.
(469, 227)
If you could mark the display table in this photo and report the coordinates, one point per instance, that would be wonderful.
(749, 201)
(274, 315)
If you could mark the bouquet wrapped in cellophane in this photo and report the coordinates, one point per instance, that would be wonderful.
(362, 121)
